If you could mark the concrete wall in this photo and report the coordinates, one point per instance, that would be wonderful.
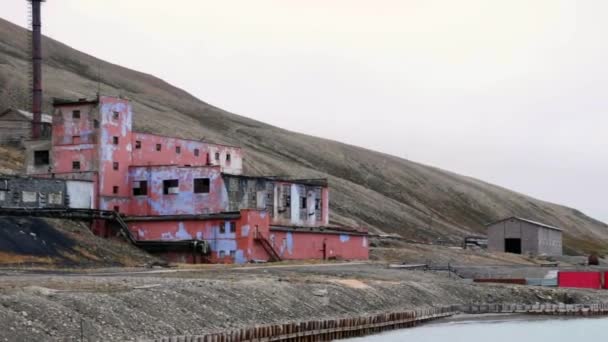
(534, 239)
(282, 199)
(176, 151)
(226, 246)
(310, 245)
(75, 139)
(31, 146)
(32, 193)
(185, 200)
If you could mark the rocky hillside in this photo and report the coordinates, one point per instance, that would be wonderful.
(386, 193)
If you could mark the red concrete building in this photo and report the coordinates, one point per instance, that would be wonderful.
(171, 189)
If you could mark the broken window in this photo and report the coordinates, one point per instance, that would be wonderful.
(232, 226)
(115, 165)
(317, 204)
(288, 201)
(228, 157)
(222, 227)
(115, 115)
(201, 185)
(302, 202)
(158, 147)
(41, 158)
(140, 188)
(178, 149)
(115, 140)
(75, 165)
(196, 152)
(75, 114)
(115, 189)
(95, 123)
(137, 144)
(170, 186)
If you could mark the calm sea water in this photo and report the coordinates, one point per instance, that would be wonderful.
(502, 329)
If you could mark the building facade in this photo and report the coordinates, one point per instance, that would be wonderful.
(172, 189)
(521, 236)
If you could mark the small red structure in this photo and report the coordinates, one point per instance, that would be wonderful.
(192, 192)
(578, 279)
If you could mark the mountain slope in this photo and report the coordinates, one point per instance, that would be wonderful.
(369, 188)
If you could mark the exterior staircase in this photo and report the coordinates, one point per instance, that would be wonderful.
(274, 256)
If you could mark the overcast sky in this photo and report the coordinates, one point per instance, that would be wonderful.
(514, 92)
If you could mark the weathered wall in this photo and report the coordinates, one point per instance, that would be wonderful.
(31, 146)
(81, 194)
(227, 246)
(115, 116)
(175, 151)
(32, 192)
(550, 241)
(183, 202)
(288, 202)
(534, 239)
(75, 139)
(311, 245)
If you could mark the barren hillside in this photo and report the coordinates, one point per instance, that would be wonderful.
(369, 188)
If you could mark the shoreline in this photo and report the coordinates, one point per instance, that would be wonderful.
(134, 306)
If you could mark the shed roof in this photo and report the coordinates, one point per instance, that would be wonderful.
(27, 115)
(539, 224)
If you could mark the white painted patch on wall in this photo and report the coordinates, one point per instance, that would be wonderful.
(182, 233)
(81, 194)
(29, 196)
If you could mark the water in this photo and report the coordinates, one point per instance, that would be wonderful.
(500, 329)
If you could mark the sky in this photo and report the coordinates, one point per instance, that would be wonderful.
(510, 92)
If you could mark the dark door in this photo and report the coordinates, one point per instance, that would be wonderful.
(513, 246)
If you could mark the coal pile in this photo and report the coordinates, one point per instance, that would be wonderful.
(32, 236)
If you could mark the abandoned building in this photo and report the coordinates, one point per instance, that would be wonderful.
(16, 126)
(521, 236)
(174, 190)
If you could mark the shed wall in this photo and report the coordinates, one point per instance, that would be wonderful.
(534, 239)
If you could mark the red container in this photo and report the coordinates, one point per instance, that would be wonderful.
(581, 280)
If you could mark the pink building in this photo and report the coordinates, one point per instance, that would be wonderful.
(176, 190)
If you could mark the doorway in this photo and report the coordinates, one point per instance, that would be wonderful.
(513, 246)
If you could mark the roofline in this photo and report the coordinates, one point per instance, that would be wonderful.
(187, 139)
(316, 230)
(539, 224)
(183, 166)
(199, 217)
(58, 102)
(49, 117)
(320, 182)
